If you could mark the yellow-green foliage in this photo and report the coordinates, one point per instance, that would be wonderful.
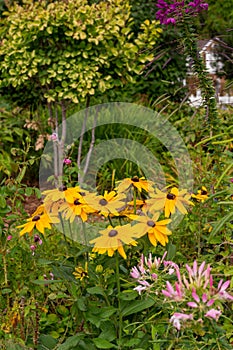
(66, 50)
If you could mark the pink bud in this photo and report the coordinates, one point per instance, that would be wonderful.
(54, 136)
(67, 161)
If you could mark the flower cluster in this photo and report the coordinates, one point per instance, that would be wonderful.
(130, 215)
(170, 13)
(193, 291)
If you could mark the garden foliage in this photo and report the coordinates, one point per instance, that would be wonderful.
(104, 269)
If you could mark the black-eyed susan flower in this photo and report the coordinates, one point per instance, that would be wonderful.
(80, 273)
(112, 239)
(40, 222)
(157, 230)
(136, 182)
(169, 201)
(201, 195)
(129, 207)
(109, 203)
(75, 206)
(56, 194)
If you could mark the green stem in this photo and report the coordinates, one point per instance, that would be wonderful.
(110, 220)
(205, 82)
(85, 241)
(119, 302)
(134, 200)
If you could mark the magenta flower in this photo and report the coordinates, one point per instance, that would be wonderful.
(9, 237)
(213, 313)
(143, 286)
(37, 239)
(175, 294)
(33, 248)
(221, 293)
(156, 263)
(67, 161)
(173, 267)
(177, 317)
(147, 270)
(171, 13)
(198, 277)
(197, 302)
(54, 136)
(135, 273)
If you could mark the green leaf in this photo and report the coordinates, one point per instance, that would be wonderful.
(128, 295)
(71, 343)
(37, 192)
(2, 202)
(43, 282)
(81, 302)
(29, 191)
(95, 290)
(62, 310)
(6, 291)
(219, 225)
(103, 344)
(137, 306)
(46, 342)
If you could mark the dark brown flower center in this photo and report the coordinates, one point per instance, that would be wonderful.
(135, 179)
(103, 202)
(36, 218)
(203, 192)
(76, 202)
(171, 196)
(151, 223)
(62, 188)
(112, 233)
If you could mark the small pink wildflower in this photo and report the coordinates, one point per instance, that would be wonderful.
(175, 294)
(197, 277)
(9, 237)
(177, 317)
(54, 136)
(213, 313)
(143, 286)
(221, 293)
(33, 248)
(67, 161)
(37, 239)
(198, 301)
(135, 273)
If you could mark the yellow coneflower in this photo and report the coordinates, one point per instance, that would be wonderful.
(201, 195)
(80, 273)
(40, 222)
(157, 230)
(169, 201)
(75, 206)
(135, 181)
(109, 203)
(112, 239)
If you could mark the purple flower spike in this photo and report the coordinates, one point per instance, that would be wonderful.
(171, 13)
